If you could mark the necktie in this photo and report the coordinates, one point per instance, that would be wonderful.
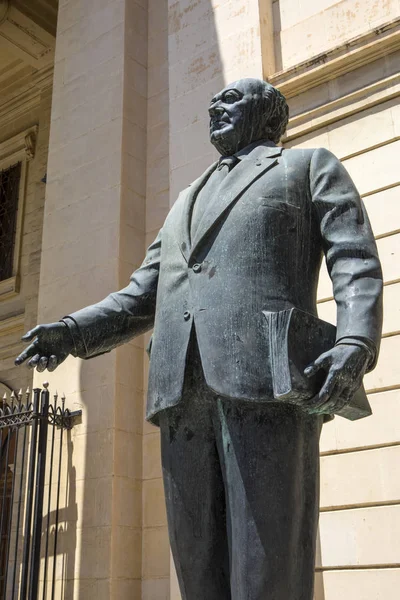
(210, 190)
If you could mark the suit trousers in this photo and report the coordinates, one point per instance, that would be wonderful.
(241, 483)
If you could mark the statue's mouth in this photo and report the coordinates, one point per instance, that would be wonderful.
(219, 123)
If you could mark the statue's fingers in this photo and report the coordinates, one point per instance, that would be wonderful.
(30, 351)
(34, 361)
(321, 362)
(325, 393)
(52, 363)
(30, 335)
(327, 401)
(42, 364)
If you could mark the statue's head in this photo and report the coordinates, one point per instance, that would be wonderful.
(246, 111)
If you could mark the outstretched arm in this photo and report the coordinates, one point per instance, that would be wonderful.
(100, 327)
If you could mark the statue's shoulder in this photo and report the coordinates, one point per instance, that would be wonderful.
(305, 154)
(298, 153)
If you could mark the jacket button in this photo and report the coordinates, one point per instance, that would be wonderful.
(196, 268)
(186, 315)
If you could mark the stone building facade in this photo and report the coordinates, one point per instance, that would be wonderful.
(103, 102)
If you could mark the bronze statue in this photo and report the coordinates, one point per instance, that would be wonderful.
(240, 467)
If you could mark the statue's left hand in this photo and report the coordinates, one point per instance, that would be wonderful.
(345, 366)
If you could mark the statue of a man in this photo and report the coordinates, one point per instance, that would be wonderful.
(240, 469)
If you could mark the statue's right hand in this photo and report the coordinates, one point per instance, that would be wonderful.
(50, 346)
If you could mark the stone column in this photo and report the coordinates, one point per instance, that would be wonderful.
(93, 238)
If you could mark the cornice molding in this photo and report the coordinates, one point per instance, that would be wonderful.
(343, 59)
(372, 95)
(24, 143)
(27, 98)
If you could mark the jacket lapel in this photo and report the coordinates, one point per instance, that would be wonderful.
(249, 169)
(189, 197)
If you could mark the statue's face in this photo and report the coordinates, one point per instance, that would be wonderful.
(235, 116)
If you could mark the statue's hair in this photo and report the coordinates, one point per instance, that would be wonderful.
(277, 115)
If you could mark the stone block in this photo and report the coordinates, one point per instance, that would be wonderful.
(78, 218)
(132, 246)
(89, 28)
(133, 208)
(158, 109)
(129, 409)
(322, 30)
(127, 502)
(382, 428)
(155, 589)
(127, 554)
(92, 504)
(65, 260)
(368, 584)
(94, 454)
(151, 456)
(376, 169)
(126, 589)
(93, 546)
(195, 71)
(158, 79)
(360, 537)
(157, 209)
(155, 553)
(384, 211)
(368, 475)
(154, 512)
(136, 32)
(127, 459)
(386, 374)
(134, 173)
(158, 142)
(102, 49)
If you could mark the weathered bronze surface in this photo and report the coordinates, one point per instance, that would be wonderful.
(240, 467)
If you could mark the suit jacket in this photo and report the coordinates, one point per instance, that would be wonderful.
(258, 247)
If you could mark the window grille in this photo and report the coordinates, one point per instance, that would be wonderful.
(9, 192)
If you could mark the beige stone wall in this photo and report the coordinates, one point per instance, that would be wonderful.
(306, 28)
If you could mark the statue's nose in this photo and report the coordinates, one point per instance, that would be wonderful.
(215, 109)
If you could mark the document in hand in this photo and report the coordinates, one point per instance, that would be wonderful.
(296, 339)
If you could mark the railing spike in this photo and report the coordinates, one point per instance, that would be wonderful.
(5, 396)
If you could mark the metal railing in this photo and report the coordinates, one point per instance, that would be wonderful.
(31, 454)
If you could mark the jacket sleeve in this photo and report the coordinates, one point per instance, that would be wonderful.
(350, 250)
(122, 315)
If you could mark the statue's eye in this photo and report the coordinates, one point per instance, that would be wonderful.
(230, 97)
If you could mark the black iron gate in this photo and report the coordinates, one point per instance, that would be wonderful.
(31, 453)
